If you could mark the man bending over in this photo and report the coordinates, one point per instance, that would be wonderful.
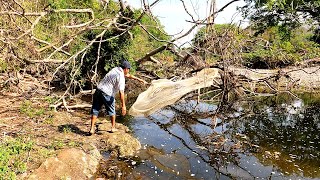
(113, 82)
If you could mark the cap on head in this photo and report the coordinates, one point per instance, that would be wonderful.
(125, 64)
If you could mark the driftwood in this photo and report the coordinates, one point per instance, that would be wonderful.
(78, 106)
(68, 107)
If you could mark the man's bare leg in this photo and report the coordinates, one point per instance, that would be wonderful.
(113, 123)
(93, 121)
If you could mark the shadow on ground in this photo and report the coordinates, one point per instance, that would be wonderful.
(71, 128)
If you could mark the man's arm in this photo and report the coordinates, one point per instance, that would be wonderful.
(123, 107)
(130, 76)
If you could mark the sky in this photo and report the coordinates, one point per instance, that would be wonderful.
(174, 18)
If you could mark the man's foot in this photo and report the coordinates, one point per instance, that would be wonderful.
(91, 132)
(87, 134)
(114, 130)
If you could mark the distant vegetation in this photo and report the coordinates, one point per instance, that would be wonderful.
(271, 49)
(291, 29)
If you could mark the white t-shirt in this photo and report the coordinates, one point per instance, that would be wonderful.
(113, 82)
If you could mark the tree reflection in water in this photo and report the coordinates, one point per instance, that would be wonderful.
(271, 137)
(289, 130)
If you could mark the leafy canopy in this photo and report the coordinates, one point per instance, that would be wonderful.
(289, 14)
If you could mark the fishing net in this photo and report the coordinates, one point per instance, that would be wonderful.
(164, 92)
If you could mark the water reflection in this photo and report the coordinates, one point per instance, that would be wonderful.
(173, 164)
(269, 138)
(288, 139)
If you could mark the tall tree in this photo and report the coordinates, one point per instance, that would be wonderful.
(286, 13)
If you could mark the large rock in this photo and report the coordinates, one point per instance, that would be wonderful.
(121, 142)
(124, 144)
(69, 164)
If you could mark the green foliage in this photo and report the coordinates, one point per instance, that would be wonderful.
(285, 13)
(3, 65)
(44, 153)
(113, 8)
(218, 42)
(74, 144)
(66, 130)
(27, 109)
(130, 46)
(50, 99)
(143, 43)
(111, 53)
(48, 120)
(217, 30)
(200, 37)
(271, 58)
(276, 47)
(73, 4)
(310, 99)
(60, 144)
(287, 47)
(57, 144)
(50, 32)
(50, 28)
(13, 155)
(280, 51)
(316, 35)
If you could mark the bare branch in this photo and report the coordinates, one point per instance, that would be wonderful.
(49, 46)
(148, 55)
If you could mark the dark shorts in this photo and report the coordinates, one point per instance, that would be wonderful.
(99, 99)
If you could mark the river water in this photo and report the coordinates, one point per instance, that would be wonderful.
(274, 137)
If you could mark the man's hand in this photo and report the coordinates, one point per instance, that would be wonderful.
(124, 110)
(130, 76)
(143, 81)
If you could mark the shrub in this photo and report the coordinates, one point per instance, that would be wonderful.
(13, 156)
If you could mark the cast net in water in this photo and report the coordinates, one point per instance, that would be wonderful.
(163, 92)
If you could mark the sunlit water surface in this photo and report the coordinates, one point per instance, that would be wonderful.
(269, 138)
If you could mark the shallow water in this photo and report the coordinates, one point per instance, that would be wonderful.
(268, 138)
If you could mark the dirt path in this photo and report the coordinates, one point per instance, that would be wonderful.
(51, 132)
